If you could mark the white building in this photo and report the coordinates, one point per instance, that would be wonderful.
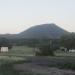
(4, 49)
(73, 50)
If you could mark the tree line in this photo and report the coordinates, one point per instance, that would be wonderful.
(45, 46)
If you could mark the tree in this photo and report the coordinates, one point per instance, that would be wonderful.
(68, 41)
(5, 43)
(45, 49)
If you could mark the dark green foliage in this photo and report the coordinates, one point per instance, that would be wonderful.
(58, 62)
(45, 50)
(46, 47)
(68, 65)
(4, 42)
(68, 41)
(7, 69)
(63, 65)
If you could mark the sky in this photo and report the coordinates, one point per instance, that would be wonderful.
(19, 15)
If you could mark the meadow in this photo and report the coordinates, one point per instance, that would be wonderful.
(24, 54)
(19, 51)
(29, 51)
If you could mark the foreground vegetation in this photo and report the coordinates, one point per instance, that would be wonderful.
(22, 51)
(7, 65)
(18, 55)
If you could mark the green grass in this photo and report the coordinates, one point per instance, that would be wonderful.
(18, 55)
(19, 51)
(62, 62)
(25, 51)
(6, 67)
(22, 50)
(15, 55)
(65, 54)
(28, 51)
(6, 64)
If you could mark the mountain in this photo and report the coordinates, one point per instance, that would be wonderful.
(44, 31)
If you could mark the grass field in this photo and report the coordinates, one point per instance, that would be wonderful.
(28, 51)
(22, 50)
(19, 51)
(36, 63)
(23, 54)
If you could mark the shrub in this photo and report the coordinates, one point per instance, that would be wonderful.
(45, 50)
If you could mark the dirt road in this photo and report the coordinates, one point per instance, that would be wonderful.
(33, 68)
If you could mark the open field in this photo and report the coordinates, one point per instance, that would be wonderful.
(62, 53)
(32, 65)
(20, 61)
(22, 50)
(6, 65)
(27, 51)
(47, 66)
(19, 51)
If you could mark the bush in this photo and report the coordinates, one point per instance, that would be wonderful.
(7, 69)
(45, 50)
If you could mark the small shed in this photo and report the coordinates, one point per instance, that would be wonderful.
(72, 50)
(4, 49)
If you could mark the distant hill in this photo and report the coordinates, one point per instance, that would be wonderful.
(44, 31)
(9, 36)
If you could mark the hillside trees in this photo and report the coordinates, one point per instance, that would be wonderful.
(45, 48)
(4, 42)
(68, 41)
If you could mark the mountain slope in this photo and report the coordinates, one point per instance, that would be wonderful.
(44, 31)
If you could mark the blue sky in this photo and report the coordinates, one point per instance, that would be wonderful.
(18, 15)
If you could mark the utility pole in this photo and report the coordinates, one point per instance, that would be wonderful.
(50, 43)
